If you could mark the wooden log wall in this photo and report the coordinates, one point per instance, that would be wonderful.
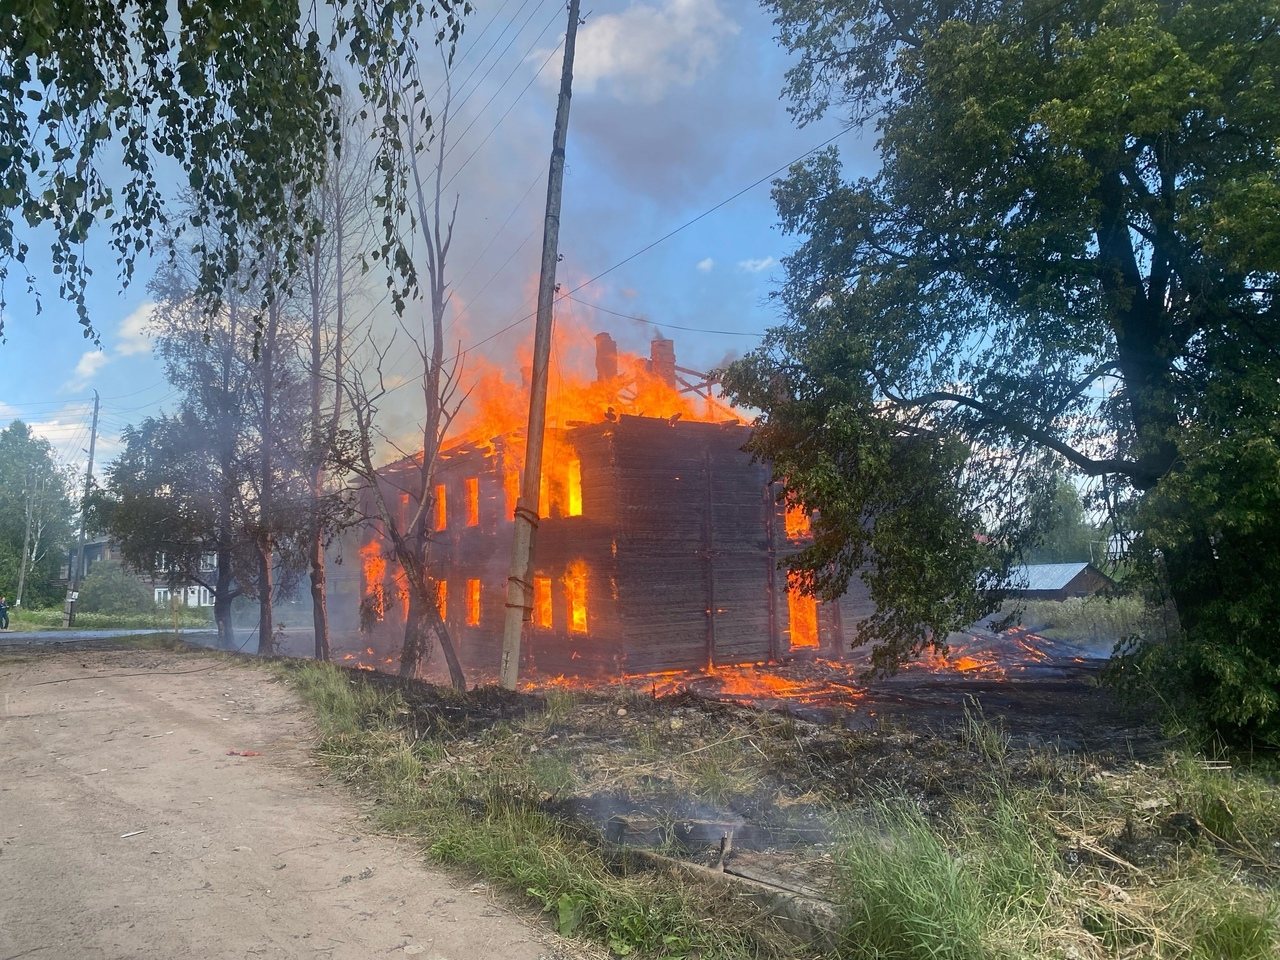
(679, 534)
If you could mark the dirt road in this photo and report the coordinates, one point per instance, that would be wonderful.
(127, 831)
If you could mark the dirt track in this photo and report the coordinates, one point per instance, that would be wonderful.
(127, 831)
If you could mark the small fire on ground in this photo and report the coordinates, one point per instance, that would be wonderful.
(834, 683)
(817, 682)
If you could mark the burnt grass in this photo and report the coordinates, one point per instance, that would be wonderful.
(677, 773)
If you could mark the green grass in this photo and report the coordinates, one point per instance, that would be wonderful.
(994, 884)
(1096, 619)
(1020, 855)
(50, 618)
(487, 816)
(915, 894)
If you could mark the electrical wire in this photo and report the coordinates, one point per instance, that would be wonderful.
(670, 326)
(662, 239)
(462, 166)
(506, 80)
(555, 15)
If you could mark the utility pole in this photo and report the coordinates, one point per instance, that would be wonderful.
(73, 589)
(519, 588)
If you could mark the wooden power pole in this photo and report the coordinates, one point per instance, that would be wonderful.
(73, 589)
(519, 586)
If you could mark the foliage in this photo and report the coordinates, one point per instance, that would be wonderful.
(50, 618)
(36, 512)
(110, 588)
(190, 484)
(1064, 263)
(239, 95)
(1063, 535)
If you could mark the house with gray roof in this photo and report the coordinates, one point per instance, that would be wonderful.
(1057, 581)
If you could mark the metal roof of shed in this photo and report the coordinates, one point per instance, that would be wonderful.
(1044, 576)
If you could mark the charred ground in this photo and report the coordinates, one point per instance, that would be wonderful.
(1127, 832)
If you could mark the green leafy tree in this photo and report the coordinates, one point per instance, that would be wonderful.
(1063, 534)
(36, 512)
(110, 588)
(224, 474)
(237, 100)
(1068, 258)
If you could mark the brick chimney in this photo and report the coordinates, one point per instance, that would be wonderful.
(662, 359)
(606, 357)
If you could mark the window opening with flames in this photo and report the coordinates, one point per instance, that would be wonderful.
(575, 587)
(441, 507)
(798, 523)
(473, 603)
(472, 487)
(374, 567)
(542, 602)
(802, 614)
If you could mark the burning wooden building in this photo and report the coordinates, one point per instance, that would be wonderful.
(658, 547)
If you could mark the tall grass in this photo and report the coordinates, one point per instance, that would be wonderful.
(487, 816)
(1000, 871)
(50, 618)
(913, 894)
(1097, 619)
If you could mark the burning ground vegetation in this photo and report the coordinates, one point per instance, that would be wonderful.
(943, 813)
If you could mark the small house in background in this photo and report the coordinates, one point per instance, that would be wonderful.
(1057, 581)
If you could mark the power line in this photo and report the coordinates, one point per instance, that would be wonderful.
(480, 36)
(502, 86)
(671, 326)
(665, 237)
(495, 127)
(496, 41)
(532, 13)
(68, 401)
(706, 213)
(497, 233)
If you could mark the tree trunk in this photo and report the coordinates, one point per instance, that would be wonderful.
(223, 595)
(422, 620)
(456, 676)
(319, 597)
(26, 545)
(266, 493)
(266, 625)
(413, 652)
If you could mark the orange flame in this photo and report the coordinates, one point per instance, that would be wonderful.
(496, 414)
(575, 585)
(802, 613)
(542, 601)
(798, 523)
(374, 565)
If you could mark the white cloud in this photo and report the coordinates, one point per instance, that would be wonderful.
(756, 266)
(643, 52)
(705, 266)
(134, 337)
(91, 361)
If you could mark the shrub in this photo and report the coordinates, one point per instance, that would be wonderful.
(110, 588)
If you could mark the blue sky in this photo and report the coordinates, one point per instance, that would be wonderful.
(676, 107)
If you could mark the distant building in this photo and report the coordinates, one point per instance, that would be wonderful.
(1118, 545)
(1057, 581)
(186, 591)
